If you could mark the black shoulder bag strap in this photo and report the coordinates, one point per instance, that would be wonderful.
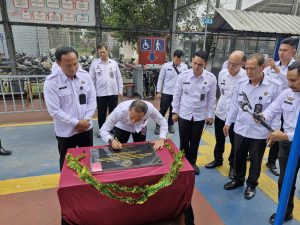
(176, 69)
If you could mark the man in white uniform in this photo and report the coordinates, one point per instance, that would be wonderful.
(166, 84)
(228, 80)
(106, 76)
(194, 103)
(278, 70)
(259, 91)
(71, 101)
(287, 104)
(131, 117)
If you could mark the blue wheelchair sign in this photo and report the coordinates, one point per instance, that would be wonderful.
(145, 44)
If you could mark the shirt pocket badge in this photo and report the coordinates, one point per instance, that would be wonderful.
(186, 88)
(111, 74)
(98, 71)
(65, 97)
(287, 107)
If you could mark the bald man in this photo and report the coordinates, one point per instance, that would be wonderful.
(227, 82)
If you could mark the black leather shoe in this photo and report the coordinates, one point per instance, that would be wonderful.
(232, 173)
(171, 129)
(157, 130)
(273, 168)
(286, 218)
(213, 164)
(249, 193)
(196, 169)
(4, 151)
(233, 185)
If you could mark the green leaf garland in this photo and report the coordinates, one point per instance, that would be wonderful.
(139, 194)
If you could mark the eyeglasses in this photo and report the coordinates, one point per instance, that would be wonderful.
(233, 64)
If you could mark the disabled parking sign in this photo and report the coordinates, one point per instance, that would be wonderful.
(152, 50)
(145, 44)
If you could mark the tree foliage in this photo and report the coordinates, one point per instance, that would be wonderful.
(144, 16)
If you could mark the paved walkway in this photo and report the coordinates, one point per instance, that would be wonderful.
(29, 178)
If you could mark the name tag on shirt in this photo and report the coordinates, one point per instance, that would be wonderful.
(286, 102)
(202, 97)
(61, 88)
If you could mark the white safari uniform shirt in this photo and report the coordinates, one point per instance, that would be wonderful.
(195, 97)
(287, 104)
(62, 100)
(282, 75)
(168, 76)
(227, 84)
(120, 118)
(264, 93)
(106, 77)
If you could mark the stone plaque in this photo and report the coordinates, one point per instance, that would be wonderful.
(131, 156)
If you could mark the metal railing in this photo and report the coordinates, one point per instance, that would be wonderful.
(22, 93)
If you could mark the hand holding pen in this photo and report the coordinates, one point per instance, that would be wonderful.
(115, 144)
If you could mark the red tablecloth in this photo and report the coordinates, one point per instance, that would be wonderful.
(83, 204)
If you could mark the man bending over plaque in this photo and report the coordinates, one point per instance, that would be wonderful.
(131, 117)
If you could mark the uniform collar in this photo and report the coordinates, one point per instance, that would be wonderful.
(201, 76)
(290, 62)
(108, 61)
(64, 77)
(263, 81)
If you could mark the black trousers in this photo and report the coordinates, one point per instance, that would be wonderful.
(284, 152)
(81, 140)
(220, 141)
(124, 135)
(165, 104)
(190, 134)
(103, 103)
(256, 149)
(274, 150)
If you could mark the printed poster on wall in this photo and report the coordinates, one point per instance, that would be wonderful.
(65, 12)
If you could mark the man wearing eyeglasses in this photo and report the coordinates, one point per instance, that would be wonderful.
(249, 136)
(227, 81)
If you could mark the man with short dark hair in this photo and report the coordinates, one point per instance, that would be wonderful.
(106, 76)
(194, 102)
(287, 104)
(131, 117)
(278, 70)
(71, 101)
(166, 84)
(258, 91)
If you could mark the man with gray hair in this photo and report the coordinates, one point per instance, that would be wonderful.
(258, 91)
(131, 117)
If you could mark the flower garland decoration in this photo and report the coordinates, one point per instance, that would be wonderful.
(138, 194)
